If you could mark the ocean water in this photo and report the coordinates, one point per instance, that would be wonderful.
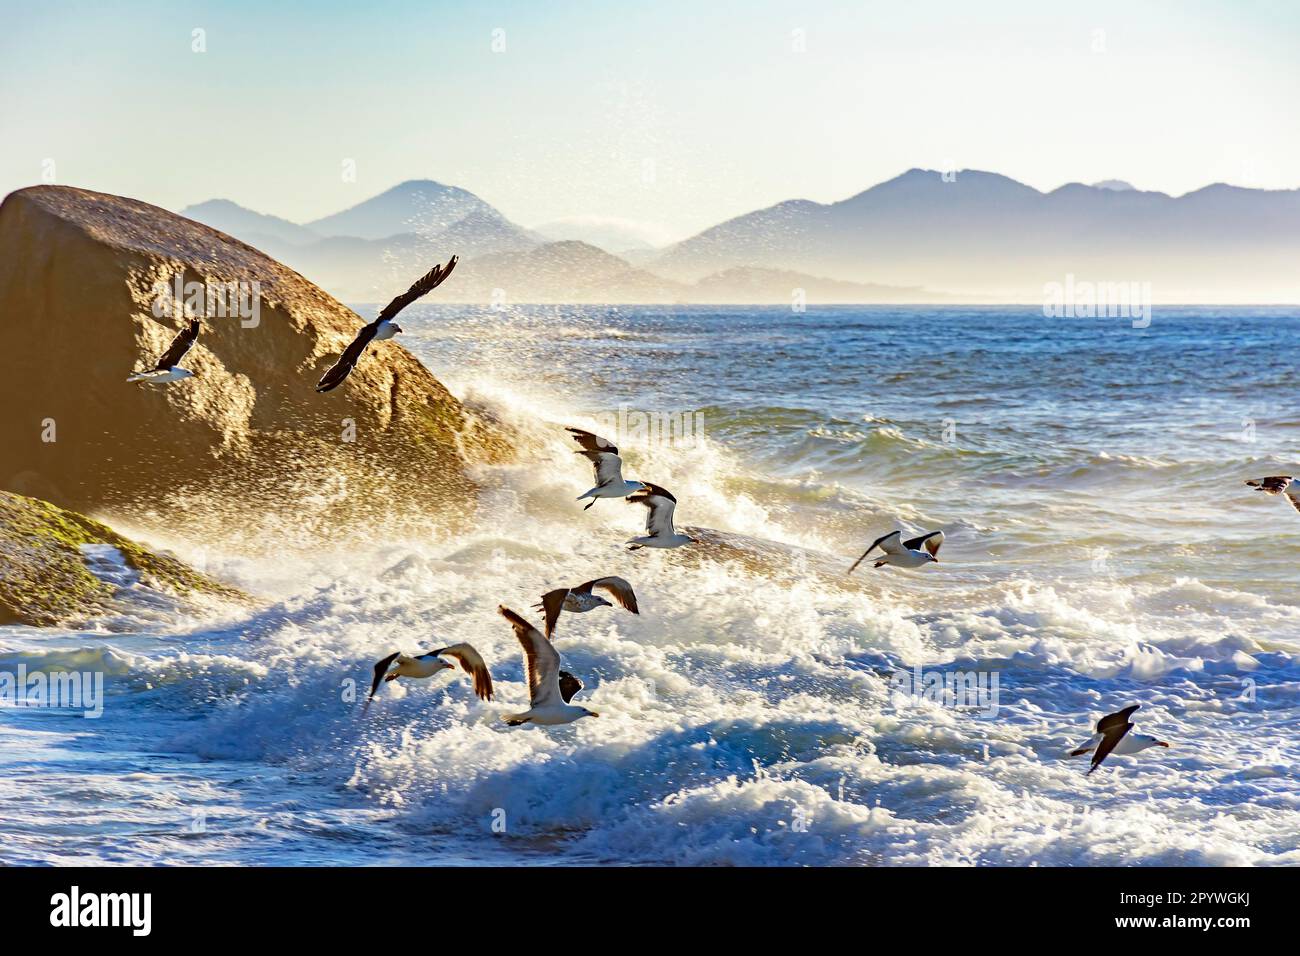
(1101, 551)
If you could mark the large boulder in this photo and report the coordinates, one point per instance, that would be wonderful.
(246, 447)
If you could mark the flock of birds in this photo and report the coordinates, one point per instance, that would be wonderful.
(550, 689)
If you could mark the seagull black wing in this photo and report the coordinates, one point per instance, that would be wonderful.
(423, 286)
(932, 542)
(1117, 719)
(569, 685)
(183, 342)
(348, 360)
(874, 545)
(648, 491)
(591, 442)
(380, 670)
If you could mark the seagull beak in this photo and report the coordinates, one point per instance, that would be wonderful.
(1162, 743)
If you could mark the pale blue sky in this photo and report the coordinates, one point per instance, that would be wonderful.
(671, 114)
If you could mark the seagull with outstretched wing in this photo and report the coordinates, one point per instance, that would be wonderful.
(660, 532)
(383, 327)
(548, 704)
(168, 368)
(607, 465)
(1279, 485)
(580, 599)
(1113, 736)
(426, 665)
(912, 553)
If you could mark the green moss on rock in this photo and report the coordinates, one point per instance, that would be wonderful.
(44, 580)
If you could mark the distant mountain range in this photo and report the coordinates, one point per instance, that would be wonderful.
(991, 237)
(429, 210)
(370, 251)
(252, 227)
(920, 237)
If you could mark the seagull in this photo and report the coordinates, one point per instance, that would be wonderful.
(581, 599)
(383, 327)
(167, 369)
(426, 665)
(660, 532)
(548, 704)
(905, 554)
(1113, 736)
(1277, 485)
(603, 456)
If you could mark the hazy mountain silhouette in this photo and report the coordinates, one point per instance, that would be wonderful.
(420, 206)
(252, 227)
(366, 251)
(566, 271)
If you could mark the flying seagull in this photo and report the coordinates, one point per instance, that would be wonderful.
(1277, 485)
(383, 327)
(603, 456)
(426, 665)
(547, 703)
(905, 554)
(1113, 736)
(167, 369)
(660, 532)
(581, 598)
